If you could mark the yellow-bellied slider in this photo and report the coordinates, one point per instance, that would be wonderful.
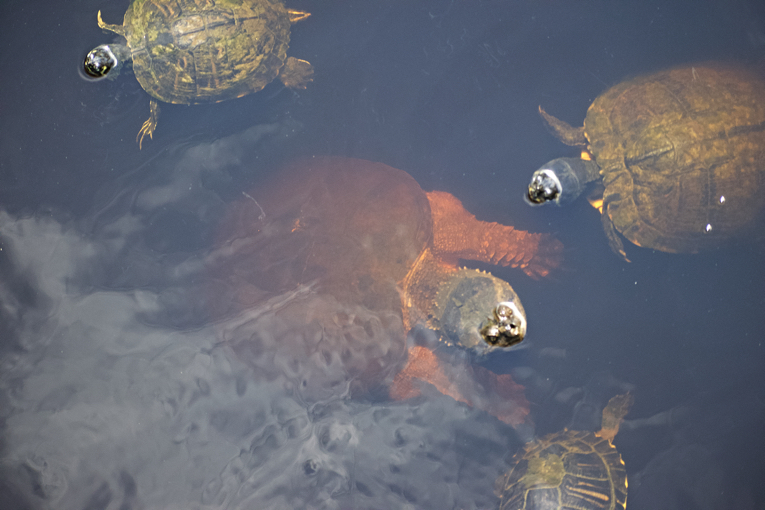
(681, 154)
(202, 51)
(570, 469)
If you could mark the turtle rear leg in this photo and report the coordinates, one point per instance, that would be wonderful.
(614, 241)
(150, 125)
(296, 73)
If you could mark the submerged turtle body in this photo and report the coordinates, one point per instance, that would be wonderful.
(570, 469)
(681, 154)
(197, 51)
(367, 234)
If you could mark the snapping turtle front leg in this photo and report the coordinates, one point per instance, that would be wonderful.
(150, 125)
(476, 386)
(457, 234)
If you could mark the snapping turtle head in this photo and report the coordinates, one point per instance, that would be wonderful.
(479, 311)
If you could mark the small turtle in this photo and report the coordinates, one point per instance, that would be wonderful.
(367, 234)
(570, 469)
(201, 51)
(681, 154)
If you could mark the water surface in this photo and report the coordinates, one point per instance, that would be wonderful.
(119, 386)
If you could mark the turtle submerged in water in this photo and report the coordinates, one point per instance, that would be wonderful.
(202, 51)
(680, 153)
(570, 469)
(367, 234)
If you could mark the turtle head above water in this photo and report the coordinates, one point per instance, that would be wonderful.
(505, 327)
(561, 181)
(479, 311)
(104, 58)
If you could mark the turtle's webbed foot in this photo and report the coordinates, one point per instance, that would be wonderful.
(150, 125)
(548, 256)
(146, 129)
(459, 235)
(296, 73)
(535, 254)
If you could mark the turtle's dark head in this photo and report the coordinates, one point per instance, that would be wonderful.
(560, 181)
(479, 311)
(103, 59)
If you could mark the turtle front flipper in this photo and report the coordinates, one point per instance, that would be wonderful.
(457, 234)
(150, 125)
(117, 29)
(478, 387)
(613, 414)
(296, 73)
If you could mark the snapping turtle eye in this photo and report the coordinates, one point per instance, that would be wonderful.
(100, 61)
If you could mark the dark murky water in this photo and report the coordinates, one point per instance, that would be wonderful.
(120, 386)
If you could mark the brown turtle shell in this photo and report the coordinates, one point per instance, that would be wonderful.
(351, 228)
(196, 51)
(357, 229)
(682, 155)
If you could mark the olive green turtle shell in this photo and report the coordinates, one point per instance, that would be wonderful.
(570, 469)
(567, 470)
(682, 155)
(197, 51)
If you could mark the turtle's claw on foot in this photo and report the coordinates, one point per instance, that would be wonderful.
(150, 125)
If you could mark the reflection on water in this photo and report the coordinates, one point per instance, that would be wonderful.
(364, 233)
(133, 377)
(114, 402)
(125, 384)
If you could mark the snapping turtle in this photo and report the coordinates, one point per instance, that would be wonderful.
(367, 234)
(201, 51)
(681, 154)
(570, 469)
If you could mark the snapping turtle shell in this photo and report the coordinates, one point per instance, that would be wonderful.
(681, 154)
(570, 469)
(199, 51)
(367, 234)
